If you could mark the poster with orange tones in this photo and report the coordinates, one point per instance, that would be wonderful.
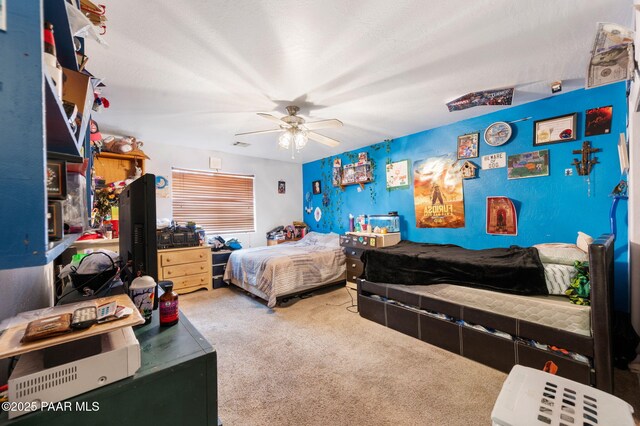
(437, 193)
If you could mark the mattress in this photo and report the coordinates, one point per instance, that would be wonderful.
(551, 311)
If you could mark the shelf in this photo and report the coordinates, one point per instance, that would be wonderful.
(60, 137)
(342, 185)
(55, 11)
(57, 247)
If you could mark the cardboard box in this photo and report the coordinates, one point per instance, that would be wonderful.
(77, 89)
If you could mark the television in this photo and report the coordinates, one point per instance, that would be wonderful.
(138, 242)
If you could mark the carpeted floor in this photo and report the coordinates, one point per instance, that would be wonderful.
(312, 362)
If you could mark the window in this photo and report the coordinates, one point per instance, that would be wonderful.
(218, 202)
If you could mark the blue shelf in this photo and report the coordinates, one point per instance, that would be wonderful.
(57, 247)
(60, 137)
(55, 12)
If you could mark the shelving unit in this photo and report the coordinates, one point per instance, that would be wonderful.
(114, 167)
(342, 185)
(33, 123)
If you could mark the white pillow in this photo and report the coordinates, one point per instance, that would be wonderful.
(560, 253)
(583, 241)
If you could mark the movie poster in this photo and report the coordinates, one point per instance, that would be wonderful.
(501, 216)
(438, 194)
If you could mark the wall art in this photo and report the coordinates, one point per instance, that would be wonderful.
(555, 129)
(528, 164)
(163, 190)
(282, 187)
(317, 187)
(494, 161)
(501, 216)
(485, 97)
(437, 192)
(468, 145)
(598, 121)
(336, 175)
(398, 174)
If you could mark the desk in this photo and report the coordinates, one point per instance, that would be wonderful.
(176, 385)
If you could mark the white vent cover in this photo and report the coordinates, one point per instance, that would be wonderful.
(56, 377)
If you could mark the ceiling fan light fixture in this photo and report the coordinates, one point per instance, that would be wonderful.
(284, 141)
(300, 139)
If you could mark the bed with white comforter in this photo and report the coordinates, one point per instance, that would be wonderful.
(274, 271)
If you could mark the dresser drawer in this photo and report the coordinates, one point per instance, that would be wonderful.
(169, 272)
(355, 268)
(185, 256)
(219, 269)
(353, 252)
(219, 258)
(191, 281)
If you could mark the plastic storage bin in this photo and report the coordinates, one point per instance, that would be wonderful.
(533, 397)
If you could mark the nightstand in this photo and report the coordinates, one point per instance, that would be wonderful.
(219, 265)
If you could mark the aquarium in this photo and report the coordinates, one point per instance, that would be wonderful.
(384, 223)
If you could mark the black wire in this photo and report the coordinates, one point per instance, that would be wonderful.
(353, 305)
(109, 282)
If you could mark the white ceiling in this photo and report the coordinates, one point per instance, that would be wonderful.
(193, 73)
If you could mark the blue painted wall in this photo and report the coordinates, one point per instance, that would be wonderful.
(550, 209)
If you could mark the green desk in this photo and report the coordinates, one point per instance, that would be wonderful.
(176, 385)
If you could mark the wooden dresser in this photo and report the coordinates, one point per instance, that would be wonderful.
(189, 268)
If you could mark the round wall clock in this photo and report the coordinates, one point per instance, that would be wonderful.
(497, 134)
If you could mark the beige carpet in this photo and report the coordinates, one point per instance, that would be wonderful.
(313, 362)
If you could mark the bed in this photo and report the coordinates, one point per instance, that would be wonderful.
(276, 272)
(501, 329)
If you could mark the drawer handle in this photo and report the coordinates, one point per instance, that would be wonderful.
(201, 255)
(167, 259)
(353, 265)
(353, 253)
(201, 267)
(353, 278)
(168, 272)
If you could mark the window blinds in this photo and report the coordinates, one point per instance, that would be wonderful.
(218, 202)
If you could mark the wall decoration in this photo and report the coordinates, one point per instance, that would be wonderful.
(349, 174)
(612, 55)
(528, 164)
(494, 161)
(56, 179)
(623, 154)
(163, 190)
(317, 214)
(468, 170)
(501, 216)
(3, 15)
(468, 145)
(438, 197)
(598, 121)
(325, 199)
(363, 172)
(555, 129)
(485, 97)
(317, 187)
(398, 175)
(308, 207)
(363, 157)
(586, 163)
(336, 176)
(498, 133)
(282, 187)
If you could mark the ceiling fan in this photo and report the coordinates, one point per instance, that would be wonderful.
(296, 131)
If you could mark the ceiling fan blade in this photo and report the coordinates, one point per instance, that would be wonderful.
(259, 132)
(323, 124)
(323, 139)
(274, 119)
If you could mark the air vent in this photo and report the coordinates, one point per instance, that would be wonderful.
(241, 144)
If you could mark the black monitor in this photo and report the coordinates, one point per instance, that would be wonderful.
(138, 241)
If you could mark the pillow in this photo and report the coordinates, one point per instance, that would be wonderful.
(583, 241)
(561, 253)
(579, 291)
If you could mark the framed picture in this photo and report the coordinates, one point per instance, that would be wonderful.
(598, 121)
(528, 164)
(317, 187)
(502, 218)
(348, 174)
(282, 187)
(468, 146)
(56, 179)
(555, 129)
(398, 175)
